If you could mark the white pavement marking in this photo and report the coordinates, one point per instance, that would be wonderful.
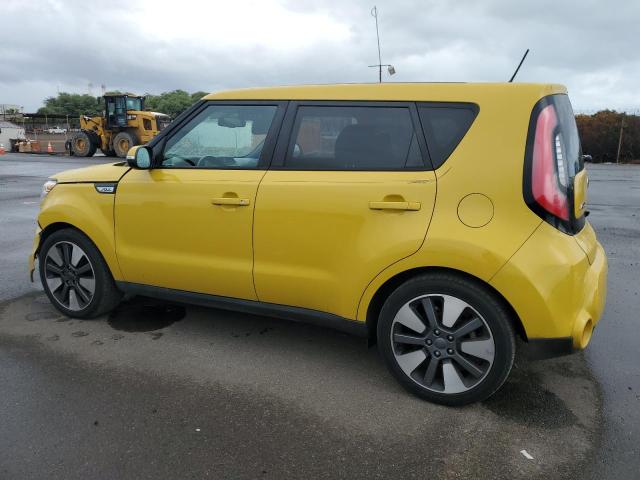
(526, 454)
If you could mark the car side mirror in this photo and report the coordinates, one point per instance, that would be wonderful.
(139, 157)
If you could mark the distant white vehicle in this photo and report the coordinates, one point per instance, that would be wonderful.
(56, 130)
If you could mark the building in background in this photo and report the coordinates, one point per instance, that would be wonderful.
(8, 132)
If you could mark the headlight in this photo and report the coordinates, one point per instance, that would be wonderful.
(48, 186)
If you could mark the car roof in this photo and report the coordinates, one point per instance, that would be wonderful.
(447, 92)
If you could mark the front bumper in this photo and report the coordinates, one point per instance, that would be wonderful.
(557, 290)
(34, 252)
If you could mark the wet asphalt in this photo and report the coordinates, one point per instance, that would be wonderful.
(165, 391)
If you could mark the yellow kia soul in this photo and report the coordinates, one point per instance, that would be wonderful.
(440, 220)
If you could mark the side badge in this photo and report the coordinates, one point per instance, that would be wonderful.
(105, 187)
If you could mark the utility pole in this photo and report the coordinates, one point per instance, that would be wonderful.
(620, 140)
(390, 69)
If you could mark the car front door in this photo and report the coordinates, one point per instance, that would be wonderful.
(187, 223)
(350, 192)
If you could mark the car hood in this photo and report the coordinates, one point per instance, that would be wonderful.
(110, 172)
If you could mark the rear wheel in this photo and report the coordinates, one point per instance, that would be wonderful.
(75, 277)
(83, 144)
(446, 338)
(122, 142)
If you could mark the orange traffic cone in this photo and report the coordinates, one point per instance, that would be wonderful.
(2, 151)
(50, 148)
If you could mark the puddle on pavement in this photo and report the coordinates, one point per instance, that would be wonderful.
(145, 316)
(45, 315)
(43, 300)
(524, 399)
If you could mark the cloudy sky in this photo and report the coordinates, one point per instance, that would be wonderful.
(153, 46)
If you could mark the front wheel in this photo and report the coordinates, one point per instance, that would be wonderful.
(446, 339)
(83, 144)
(75, 277)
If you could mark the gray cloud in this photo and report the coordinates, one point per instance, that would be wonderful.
(148, 46)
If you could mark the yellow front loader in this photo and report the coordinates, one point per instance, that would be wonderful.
(124, 124)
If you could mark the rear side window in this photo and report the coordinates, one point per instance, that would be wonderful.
(353, 138)
(444, 127)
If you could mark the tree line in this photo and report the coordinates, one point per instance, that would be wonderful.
(73, 104)
(600, 136)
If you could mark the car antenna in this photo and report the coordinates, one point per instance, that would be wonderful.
(519, 65)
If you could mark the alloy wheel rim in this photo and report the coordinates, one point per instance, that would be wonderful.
(442, 343)
(69, 276)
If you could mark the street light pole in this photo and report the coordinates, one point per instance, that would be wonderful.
(374, 13)
(390, 68)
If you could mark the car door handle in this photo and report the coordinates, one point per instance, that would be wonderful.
(240, 202)
(394, 205)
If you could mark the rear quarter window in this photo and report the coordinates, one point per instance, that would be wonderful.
(445, 125)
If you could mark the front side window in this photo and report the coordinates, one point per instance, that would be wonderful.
(221, 136)
(353, 138)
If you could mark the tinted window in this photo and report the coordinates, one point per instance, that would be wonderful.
(353, 138)
(444, 127)
(221, 136)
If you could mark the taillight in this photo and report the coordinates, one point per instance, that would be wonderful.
(552, 160)
(548, 172)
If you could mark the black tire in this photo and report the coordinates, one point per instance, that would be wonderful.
(122, 142)
(84, 144)
(481, 306)
(105, 296)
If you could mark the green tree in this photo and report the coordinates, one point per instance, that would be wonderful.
(195, 96)
(600, 134)
(172, 103)
(72, 104)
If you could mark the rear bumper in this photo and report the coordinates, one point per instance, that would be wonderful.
(557, 290)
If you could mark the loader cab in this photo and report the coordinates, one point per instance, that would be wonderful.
(116, 107)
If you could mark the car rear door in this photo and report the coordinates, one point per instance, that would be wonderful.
(350, 191)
